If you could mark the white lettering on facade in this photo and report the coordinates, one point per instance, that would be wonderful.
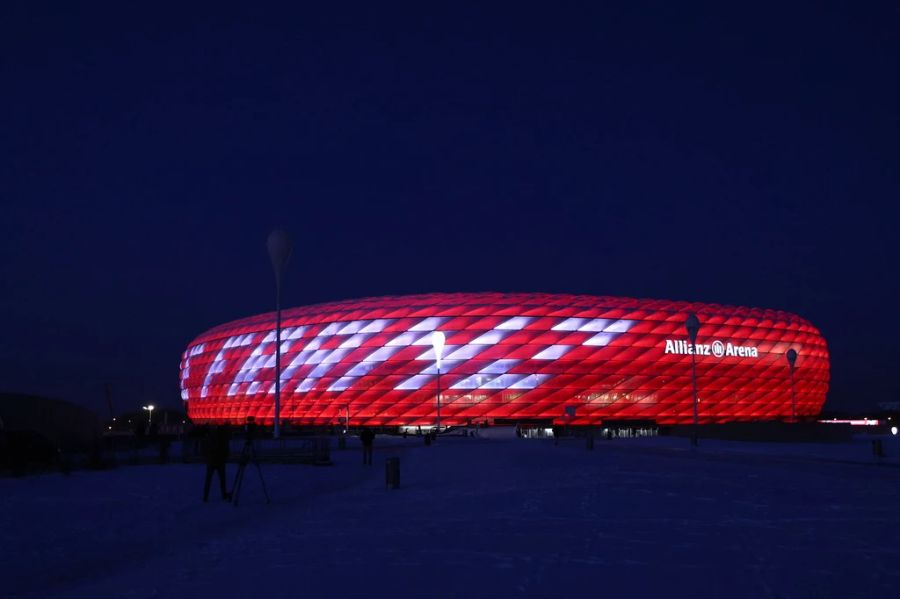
(716, 348)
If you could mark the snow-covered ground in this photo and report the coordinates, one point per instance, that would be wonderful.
(475, 517)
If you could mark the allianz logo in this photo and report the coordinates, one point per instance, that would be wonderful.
(716, 348)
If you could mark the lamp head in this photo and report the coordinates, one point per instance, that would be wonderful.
(437, 341)
(791, 356)
(692, 324)
(279, 246)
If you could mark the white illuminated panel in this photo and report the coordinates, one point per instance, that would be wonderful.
(601, 339)
(619, 326)
(296, 333)
(336, 356)
(570, 324)
(461, 353)
(381, 354)
(516, 323)
(314, 343)
(530, 381)
(446, 366)
(472, 382)
(504, 381)
(429, 324)
(414, 382)
(217, 366)
(405, 338)
(595, 325)
(299, 360)
(352, 327)
(362, 369)
(553, 352)
(186, 370)
(318, 356)
(424, 339)
(342, 384)
(355, 340)
(489, 338)
(376, 326)
(320, 371)
(499, 367)
(331, 329)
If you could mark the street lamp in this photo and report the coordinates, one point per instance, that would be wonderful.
(149, 409)
(692, 324)
(791, 356)
(279, 246)
(437, 341)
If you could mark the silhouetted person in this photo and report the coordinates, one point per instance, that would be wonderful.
(367, 436)
(216, 449)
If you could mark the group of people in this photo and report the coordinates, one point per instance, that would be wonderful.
(217, 447)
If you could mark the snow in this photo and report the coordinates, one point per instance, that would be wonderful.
(481, 517)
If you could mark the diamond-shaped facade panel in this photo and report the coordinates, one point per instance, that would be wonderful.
(509, 357)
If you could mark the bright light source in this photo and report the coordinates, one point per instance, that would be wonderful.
(437, 341)
(893, 430)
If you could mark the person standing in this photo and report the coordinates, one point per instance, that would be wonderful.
(216, 449)
(367, 436)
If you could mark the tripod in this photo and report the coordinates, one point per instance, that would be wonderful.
(248, 454)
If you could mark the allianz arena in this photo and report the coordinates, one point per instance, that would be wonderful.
(577, 359)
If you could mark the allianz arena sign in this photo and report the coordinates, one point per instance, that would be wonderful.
(716, 348)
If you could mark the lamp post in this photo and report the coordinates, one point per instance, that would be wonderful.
(279, 246)
(791, 356)
(149, 409)
(437, 341)
(692, 324)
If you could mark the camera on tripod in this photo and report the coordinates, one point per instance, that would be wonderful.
(248, 456)
(250, 428)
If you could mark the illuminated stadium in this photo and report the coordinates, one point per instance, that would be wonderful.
(582, 360)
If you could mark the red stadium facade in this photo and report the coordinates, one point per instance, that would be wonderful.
(582, 360)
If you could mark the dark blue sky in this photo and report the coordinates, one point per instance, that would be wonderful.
(744, 155)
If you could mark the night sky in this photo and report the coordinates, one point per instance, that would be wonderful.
(732, 154)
